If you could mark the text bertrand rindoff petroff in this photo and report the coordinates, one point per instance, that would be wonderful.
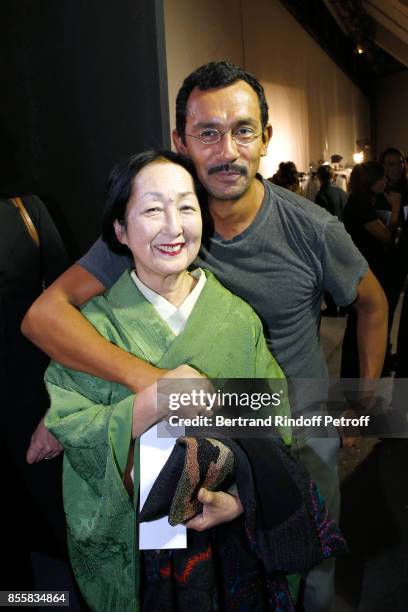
(254, 401)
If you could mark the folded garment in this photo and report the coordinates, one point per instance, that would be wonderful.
(241, 564)
(192, 464)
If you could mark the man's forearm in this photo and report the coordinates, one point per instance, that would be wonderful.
(71, 340)
(372, 326)
(55, 325)
(372, 333)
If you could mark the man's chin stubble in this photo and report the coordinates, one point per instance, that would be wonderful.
(224, 196)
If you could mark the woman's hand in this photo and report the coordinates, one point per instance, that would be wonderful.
(218, 507)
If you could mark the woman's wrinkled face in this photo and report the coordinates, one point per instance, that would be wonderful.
(163, 223)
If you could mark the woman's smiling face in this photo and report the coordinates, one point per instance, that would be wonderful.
(163, 223)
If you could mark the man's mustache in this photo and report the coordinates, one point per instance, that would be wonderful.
(228, 168)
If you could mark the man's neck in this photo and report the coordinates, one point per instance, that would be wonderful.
(232, 217)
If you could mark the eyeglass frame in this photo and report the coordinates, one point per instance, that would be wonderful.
(221, 136)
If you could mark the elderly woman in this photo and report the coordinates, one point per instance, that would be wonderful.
(163, 313)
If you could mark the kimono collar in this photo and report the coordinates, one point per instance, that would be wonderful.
(175, 317)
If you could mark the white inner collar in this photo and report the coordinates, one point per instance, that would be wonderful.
(175, 317)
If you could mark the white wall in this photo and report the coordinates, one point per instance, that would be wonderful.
(197, 32)
(392, 112)
(315, 110)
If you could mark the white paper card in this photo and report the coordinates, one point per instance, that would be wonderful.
(154, 453)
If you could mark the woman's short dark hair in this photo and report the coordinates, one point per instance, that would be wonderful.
(120, 188)
(209, 76)
(363, 176)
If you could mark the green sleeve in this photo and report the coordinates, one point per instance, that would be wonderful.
(91, 427)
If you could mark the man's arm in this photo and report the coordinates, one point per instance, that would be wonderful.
(55, 325)
(372, 326)
(342, 266)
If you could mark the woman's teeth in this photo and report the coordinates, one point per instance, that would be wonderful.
(170, 248)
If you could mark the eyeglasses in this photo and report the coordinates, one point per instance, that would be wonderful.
(242, 136)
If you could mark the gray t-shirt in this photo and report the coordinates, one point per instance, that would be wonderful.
(292, 252)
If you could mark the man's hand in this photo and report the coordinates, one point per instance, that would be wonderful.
(349, 436)
(43, 445)
(152, 404)
(218, 507)
(349, 442)
(184, 380)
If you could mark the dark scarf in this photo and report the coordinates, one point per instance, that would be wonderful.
(242, 565)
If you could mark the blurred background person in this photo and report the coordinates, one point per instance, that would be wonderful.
(31, 257)
(374, 239)
(333, 199)
(287, 176)
(329, 196)
(395, 168)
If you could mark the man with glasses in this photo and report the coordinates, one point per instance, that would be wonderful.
(273, 248)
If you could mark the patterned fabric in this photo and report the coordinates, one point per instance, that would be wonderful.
(242, 565)
(286, 518)
(218, 572)
(210, 464)
(193, 463)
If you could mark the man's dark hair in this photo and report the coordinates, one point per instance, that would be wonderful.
(325, 174)
(120, 188)
(390, 151)
(209, 76)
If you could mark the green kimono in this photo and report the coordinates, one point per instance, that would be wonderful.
(92, 418)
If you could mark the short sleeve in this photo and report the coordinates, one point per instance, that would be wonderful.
(342, 263)
(103, 264)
